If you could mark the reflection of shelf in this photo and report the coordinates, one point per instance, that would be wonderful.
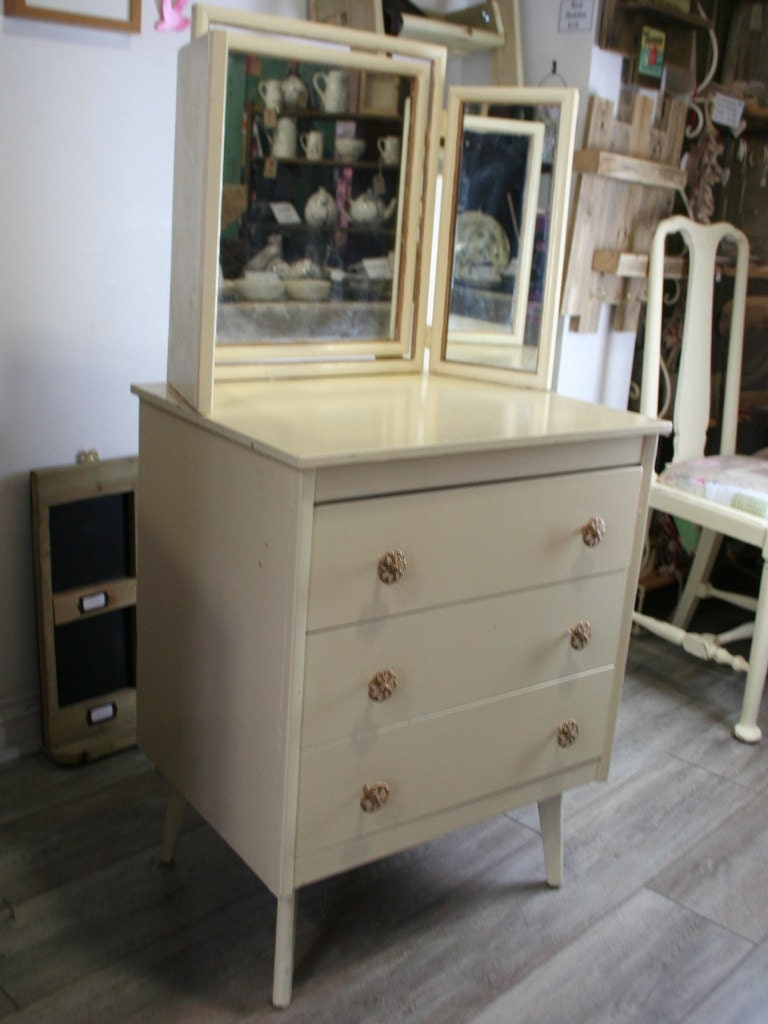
(307, 113)
(667, 12)
(472, 30)
(300, 161)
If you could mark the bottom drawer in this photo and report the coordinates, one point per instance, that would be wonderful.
(448, 759)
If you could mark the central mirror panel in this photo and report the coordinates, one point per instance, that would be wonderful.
(317, 237)
(506, 177)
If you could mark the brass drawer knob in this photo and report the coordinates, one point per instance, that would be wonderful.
(375, 795)
(593, 531)
(581, 634)
(392, 566)
(567, 732)
(383, 685)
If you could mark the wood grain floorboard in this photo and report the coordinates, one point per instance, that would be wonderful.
(725, 876)
(647, 962)
(663, 915)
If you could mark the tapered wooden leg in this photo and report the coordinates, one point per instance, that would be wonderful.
(282, 982)
(551, 821)
(174, 819)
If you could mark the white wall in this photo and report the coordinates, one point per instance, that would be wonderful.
(86, 123)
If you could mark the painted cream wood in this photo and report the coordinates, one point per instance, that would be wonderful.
(263, 619)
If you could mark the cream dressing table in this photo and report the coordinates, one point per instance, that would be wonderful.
(377, 603)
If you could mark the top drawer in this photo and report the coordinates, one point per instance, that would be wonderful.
(466, 542)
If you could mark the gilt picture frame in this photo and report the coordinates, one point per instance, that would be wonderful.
(113, 15)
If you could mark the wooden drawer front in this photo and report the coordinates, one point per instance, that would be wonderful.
(466, 542)
(446, 657)
(448, 759)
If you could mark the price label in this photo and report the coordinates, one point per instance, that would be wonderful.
(727, 110)
(285, 213)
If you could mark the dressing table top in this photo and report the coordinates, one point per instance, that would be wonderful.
(315, 423)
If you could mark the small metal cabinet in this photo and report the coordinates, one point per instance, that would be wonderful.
(84, 543)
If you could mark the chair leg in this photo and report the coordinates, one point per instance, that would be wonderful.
(706, 552)
(747, 729)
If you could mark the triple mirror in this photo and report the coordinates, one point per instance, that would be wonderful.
(304, 211)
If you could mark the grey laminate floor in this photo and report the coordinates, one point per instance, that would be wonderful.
(663, 916)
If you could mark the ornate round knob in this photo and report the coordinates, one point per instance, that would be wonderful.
(593, 531)
(375, 795)
(383, 685)
(580, 633)
(567, 732)
(391, 566)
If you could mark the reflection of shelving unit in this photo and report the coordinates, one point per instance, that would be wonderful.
(85, 575)
(294, 179)
(622, 22)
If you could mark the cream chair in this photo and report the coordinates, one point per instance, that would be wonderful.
(724, 494)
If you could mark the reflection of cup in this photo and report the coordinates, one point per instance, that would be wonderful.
(312, 144)
(283, 142)
(389, 147)
(270, 93)
(333, 89)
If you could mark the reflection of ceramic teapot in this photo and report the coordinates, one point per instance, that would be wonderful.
(320, 210)
(370, 209)
(294, 91)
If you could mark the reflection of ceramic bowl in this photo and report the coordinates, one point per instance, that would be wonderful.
(308, 289)
(302, 268)
(261, 286)
(350, 149)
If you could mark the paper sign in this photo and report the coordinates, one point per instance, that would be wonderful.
(576, 15)
(727, 110)
(285, 213)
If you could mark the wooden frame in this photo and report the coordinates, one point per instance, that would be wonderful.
(535, 367)
(86, 713)
(117, 16)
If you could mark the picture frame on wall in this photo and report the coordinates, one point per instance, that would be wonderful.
(114, 15)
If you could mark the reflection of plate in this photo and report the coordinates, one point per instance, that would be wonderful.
(480, 249)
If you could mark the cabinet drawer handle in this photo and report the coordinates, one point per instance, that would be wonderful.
(383, 685)
(392, 566)
(581, 634)
(375, 795)
(593, 531)
(567, 732)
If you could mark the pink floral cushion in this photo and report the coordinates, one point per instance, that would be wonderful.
(736, 481)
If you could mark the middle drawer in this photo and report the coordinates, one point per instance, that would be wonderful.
(447, 657)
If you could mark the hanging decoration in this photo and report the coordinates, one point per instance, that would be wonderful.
(172, 17)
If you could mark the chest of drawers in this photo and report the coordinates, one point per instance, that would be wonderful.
(359, 632)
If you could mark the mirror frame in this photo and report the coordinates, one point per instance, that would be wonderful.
(459, 99)
(195, 363)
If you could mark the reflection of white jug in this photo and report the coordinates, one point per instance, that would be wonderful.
(333, 89)
(270, 93)
(283, 142)
(389, 147)
(370, 209)
(312, 144)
